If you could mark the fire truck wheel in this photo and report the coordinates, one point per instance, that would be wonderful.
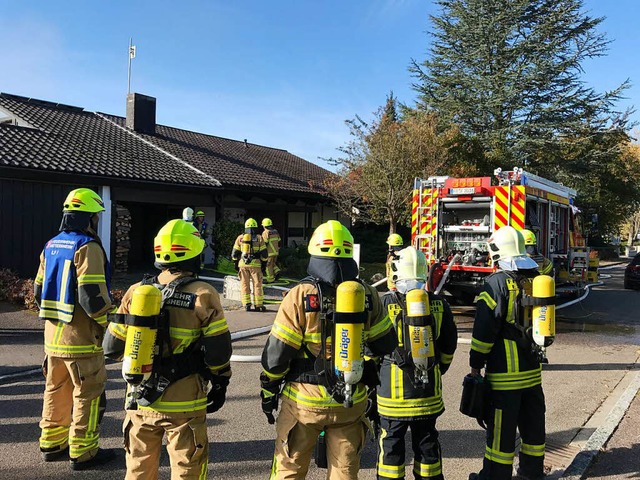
(436, 271)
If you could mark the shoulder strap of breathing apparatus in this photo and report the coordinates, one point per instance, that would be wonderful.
(171, 368)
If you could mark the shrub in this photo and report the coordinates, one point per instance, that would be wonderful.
(293, 261)
(224, 235)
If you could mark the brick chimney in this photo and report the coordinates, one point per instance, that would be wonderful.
(141, 113)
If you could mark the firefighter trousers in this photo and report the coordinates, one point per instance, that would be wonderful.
(249, 275)
(522, 409)
(73, 405)
(297, 430)
(187, 445)
(427, 463)
(272, 268)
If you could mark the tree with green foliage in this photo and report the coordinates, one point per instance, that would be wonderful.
(508, 73)
(376, 172)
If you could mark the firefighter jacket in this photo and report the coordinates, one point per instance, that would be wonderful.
(296, 333)
(398, 396)
(250, 253)
(203, 229)
(271, 238)
(545, 266)
(499, 340)
(195, 315)
(72, 291)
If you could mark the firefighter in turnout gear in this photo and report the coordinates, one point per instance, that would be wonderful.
(204, 230)
(545, 266)
(72, 291)
(321, 378)
(250, 257)
(503, 343)
(271, 238)
(410, 391)
(192, 350)
(395, 244)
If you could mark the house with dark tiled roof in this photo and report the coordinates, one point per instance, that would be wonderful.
(146, 174)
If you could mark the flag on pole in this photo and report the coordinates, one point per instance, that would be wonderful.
(132, 51)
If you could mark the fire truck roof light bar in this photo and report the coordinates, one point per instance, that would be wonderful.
(535, 181)
(437, 181)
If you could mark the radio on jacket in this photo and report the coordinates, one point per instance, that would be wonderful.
(418, 322)
(348, 338)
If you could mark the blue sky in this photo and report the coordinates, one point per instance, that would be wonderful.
(283, 73)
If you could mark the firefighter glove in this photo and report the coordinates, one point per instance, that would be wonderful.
(236, 264)
(371, 413)
(270, 393)
(218, 393)
(370, 374)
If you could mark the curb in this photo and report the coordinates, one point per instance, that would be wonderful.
(601, 436)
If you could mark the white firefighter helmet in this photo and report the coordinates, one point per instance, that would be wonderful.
(409, 269)
(187, 214)
(507, 250)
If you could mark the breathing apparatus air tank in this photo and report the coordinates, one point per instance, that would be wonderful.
(543, 317)
(245, 248)
(142, 327)
(348, 338)
(418, 322)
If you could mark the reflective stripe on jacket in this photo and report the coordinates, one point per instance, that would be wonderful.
(398, 397)
(271, 238)
(497, 342)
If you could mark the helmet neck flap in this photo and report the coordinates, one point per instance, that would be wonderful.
(332, 271)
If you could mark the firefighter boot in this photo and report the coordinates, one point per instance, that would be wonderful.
(103, 456)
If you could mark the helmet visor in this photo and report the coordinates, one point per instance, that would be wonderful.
(517, 263)
(403, 286)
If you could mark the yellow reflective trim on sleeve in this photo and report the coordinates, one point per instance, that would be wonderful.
(275, 376)
(91, 278)
(215, 328)
(118, 330)
(216, 368)
(481, 347)
(486, 298)
(446, 358)
(532, 450)
(312, 337)
(101, 320)
(286, 334)
(184, 333)
(39, 279)
(380, 328)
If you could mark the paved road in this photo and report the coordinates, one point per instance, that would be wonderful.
(590, 362)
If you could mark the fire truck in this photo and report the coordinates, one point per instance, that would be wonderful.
(452, 219)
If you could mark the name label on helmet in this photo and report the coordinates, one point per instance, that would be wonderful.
(182, 300)
(312, 303)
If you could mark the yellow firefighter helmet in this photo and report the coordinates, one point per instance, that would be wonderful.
(83, 200)
(177, 241)
(529, 237)
(251, 223)
(267, 222)
(331, 239)
(395, 240)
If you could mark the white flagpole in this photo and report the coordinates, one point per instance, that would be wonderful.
(129, 69)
